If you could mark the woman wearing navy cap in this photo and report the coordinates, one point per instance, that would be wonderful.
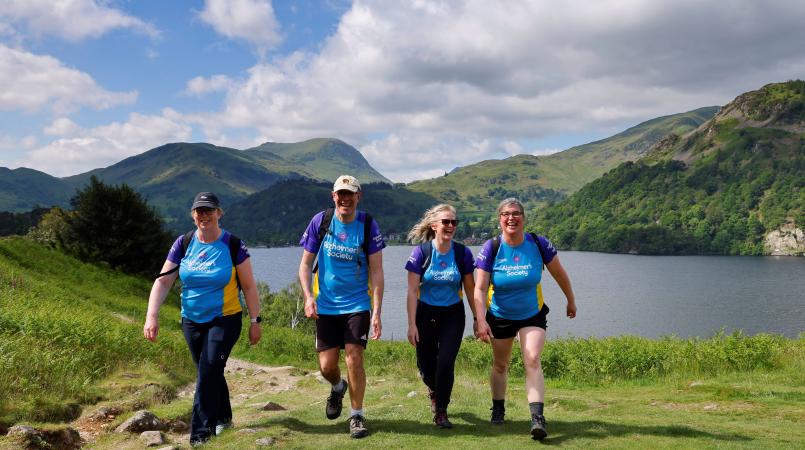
(212, 264)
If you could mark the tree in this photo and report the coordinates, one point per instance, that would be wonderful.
(114, 224)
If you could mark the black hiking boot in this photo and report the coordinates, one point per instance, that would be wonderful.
(441, 420)
(497, 415)
(333, 408)
(357, 427)
(538, 429)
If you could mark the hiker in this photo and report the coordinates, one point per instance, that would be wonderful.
(437, 269)
(346, 246)
(510, 273)
(212, 264)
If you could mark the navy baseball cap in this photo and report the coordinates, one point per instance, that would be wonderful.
(206, 200)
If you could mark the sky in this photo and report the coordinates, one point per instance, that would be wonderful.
(418, 86)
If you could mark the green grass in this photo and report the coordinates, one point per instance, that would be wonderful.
(65, 326)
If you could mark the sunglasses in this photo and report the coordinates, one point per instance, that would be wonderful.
(446, 222)
(513, 214)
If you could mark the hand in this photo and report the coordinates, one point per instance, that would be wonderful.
(376, 327)
(151, 329)
(571, 309)
(311, 310)
(413, 335)
(482, 330)
(255, 333)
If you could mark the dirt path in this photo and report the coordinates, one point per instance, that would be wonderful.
(246, 381)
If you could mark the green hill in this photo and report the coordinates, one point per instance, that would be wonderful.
(537, 180)
(725, 188)
(324, 159)
(23, 189)
(279, 214)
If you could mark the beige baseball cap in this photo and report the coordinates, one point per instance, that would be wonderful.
(346, 183)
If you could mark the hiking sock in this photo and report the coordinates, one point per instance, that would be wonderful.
(499, 404)
(339, 387)
(536, 408)
(356, 412)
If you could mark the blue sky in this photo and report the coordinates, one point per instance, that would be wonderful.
(418, 87)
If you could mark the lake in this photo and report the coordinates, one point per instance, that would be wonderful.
(648, 296)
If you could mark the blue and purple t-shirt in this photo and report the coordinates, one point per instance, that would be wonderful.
(441, 282)
(515, 290)
(341, 284)
(209, 286)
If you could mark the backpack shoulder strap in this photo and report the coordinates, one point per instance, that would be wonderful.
(427, 249)
(324, 226)
(458, 254)
(234, 247)
(539, 247)
(186, 238)
(495, 248)
(367, 231)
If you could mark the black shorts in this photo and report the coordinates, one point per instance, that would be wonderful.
(505, 328)
(337, 330)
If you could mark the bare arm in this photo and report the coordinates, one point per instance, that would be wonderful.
(305, 275)
(481, 285)
(413, 293)
(159, 291)
(563, 280)
(376, 275)
(249, 288)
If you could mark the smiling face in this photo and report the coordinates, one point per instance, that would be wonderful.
(512, 219)
(206, 219)
(445, 225)
(346, 203)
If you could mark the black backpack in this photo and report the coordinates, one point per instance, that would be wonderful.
(496, 248)
(324, 228)
(234, 246)
(458, 254)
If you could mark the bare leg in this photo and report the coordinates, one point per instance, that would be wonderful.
(357, 375)
(328, 364)
(501, 357)
(532, 341)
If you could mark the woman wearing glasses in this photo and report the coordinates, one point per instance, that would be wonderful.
(212, 264)
(437, 269)
(508, 280)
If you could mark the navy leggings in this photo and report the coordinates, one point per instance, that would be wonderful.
(210, 344)
(440, 331)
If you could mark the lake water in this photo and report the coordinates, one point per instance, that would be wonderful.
(648, 296)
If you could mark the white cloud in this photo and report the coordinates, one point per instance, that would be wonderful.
(406, 80)
(73, 20)
(62, 127)
(101, 146)
(249, 20)
(200, 85)
(14, 144)
(33, 82)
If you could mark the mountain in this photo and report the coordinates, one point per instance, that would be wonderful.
(735, 185)
(279, 214)
(325, 158)
(24, 189)
(170, 175)
(537, 180)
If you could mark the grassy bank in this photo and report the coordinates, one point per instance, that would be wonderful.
(65, 326)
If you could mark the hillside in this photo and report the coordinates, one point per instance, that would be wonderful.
(736, 185)
(324, 159)
(279, 214)
(23, 189)
(537, 180)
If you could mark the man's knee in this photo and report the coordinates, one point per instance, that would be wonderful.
(354, 355)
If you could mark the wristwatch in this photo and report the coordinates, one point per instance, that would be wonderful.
(257, 319)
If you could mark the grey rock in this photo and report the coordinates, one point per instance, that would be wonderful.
(152, 438)
(106, 412)
(264, 442)
(246, 431)
(142, 420)
(411, 394)
(23, 431)
(178, 426)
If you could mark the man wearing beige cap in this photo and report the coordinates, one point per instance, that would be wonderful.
(346, 280)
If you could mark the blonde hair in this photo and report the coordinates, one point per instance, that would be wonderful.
(422, 232)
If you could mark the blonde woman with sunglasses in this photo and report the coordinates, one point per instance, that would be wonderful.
(438, 268)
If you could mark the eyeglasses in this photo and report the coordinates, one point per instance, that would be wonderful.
(446, 222)
(513, 214)
(203, 210)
